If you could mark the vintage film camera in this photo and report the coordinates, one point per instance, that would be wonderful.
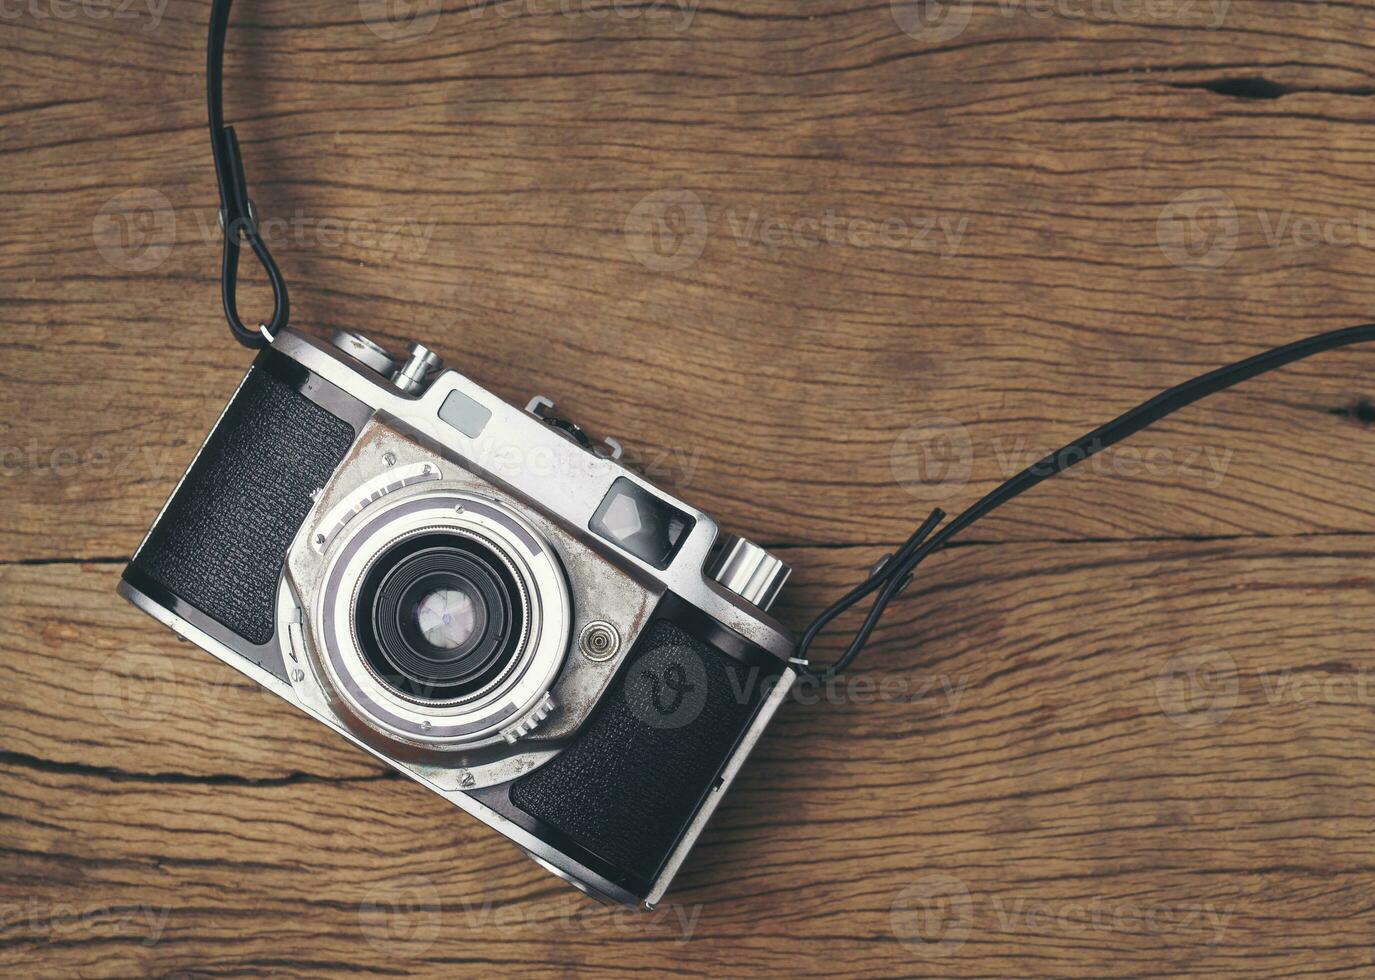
(481, 597)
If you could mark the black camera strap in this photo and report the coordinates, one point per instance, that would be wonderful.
(893, 575)
(237, 219)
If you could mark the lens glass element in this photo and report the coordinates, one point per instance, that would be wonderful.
(439, 616)
(447, 618)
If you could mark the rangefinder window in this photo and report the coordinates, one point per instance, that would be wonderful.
(635, 520)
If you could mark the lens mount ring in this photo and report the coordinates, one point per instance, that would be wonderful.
(467, 704)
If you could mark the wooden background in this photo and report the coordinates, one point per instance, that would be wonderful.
(1124, 728)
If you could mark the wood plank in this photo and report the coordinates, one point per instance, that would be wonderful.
(1136, 734)
(483, 177)
(1020, 727)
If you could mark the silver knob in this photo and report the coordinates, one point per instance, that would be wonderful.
(749, 571)
(365, 351)
(416, 372)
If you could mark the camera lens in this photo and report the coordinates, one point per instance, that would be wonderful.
(438, 617)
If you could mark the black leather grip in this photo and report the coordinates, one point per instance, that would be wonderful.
(221, 542)
(641, 768)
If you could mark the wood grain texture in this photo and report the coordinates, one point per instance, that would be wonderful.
(1125, 729)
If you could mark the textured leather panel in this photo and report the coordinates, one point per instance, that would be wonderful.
(222, 540)
(628, 787)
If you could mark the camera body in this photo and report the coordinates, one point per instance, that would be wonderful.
(480, 596)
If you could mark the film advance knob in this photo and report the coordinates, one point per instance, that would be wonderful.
(750, 572)
(420, 367)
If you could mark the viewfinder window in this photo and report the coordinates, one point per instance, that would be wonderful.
(635, 520)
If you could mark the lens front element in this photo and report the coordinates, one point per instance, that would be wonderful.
(439, 617)
(447, 618)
